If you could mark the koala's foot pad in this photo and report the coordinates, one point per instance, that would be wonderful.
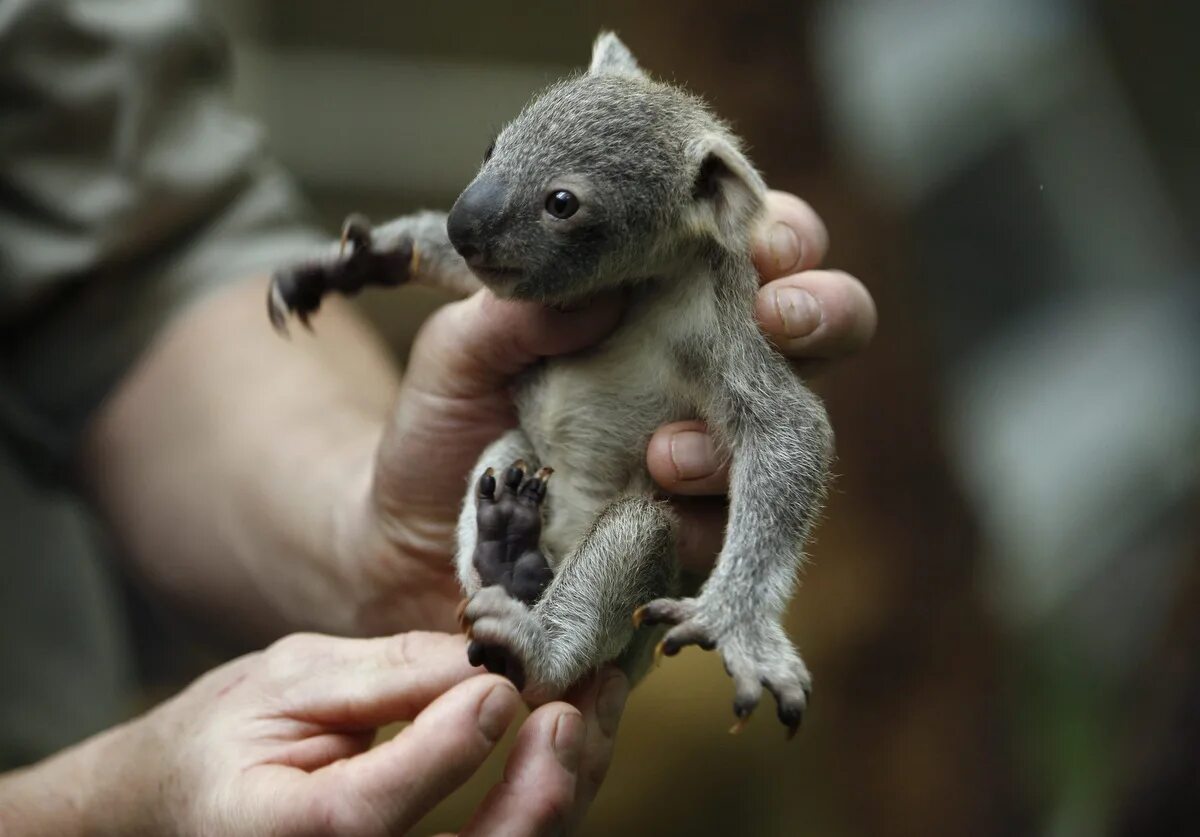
(755, 659)
(509, 524)
(361, 261)
(511, 568)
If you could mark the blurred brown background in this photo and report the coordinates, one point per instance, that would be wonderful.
(1001, 612)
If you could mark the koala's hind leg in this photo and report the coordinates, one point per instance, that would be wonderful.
(414, 248)
(583, 619)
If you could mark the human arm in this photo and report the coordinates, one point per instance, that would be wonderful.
(279, 741)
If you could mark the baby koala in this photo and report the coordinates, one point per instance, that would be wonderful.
(614, 180)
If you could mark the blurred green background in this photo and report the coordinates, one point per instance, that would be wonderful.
(1004, 602)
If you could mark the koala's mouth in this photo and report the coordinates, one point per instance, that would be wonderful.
(498, 273)
(502, 279)
(505, 281)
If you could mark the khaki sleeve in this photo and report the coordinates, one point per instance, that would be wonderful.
(129, 188)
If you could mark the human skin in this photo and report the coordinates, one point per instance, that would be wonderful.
(273, 486)
(279, 742)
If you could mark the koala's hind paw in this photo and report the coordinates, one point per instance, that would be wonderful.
(509, 525)
(506, 637)
(361, 261)
(756, 656)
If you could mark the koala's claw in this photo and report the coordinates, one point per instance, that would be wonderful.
(487, 484)
(356, 230)
(665, 612)
(791, 701)
(509, 522)
(755, 659)
(360, 261)
(514, 474)
(740, 724)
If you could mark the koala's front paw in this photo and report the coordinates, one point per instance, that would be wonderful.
(509, 528)
(506, 637)
(756, 655)
(298, 289)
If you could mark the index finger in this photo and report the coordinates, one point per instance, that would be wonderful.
(363, 683)
(790, 239)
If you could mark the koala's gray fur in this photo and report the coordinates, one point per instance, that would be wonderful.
(667, 206)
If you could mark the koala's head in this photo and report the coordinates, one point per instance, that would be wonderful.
(604, 179)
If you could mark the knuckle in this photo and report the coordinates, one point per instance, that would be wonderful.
(343, 814)
(401, 650)
(293, 643)
(292, 651)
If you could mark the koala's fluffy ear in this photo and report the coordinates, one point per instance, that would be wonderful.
(727, 191)
(609, 55)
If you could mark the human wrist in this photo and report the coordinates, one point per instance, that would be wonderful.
(92, 788)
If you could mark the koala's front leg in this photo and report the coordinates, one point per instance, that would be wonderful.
(782, 445)
(582, 619)
(414, 248)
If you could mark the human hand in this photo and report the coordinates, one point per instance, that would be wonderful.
(455, 399)
(279, 742)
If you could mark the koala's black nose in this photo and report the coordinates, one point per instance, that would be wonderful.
(475, 216)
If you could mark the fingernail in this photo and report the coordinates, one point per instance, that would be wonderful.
(497, 711)
(784, 246)
(692, 454)
(568, 740)
(611, 702)
(798, 310)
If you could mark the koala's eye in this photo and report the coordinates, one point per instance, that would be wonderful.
(487, 155)
(562, 204)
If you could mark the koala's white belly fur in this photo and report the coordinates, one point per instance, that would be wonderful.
(590, 416)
